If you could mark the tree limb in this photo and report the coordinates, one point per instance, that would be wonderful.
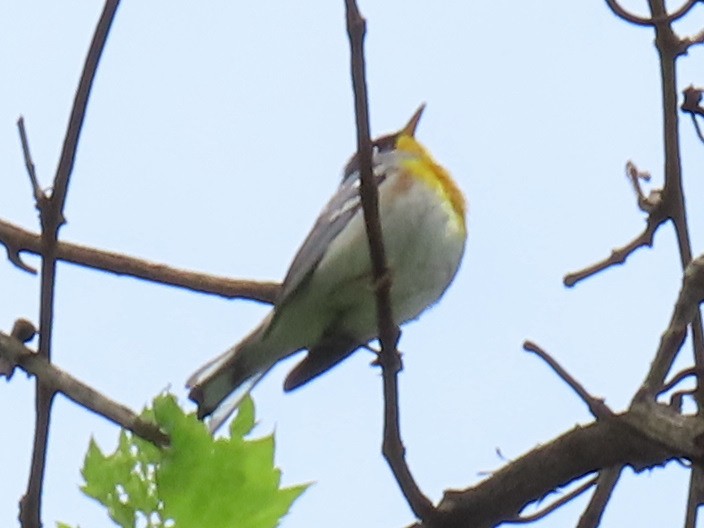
(17, 240)
(389, 358)
(15, 353)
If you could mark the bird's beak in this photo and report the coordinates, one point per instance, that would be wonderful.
(410, 128)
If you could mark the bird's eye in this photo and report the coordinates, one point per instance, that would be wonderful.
(385, 144)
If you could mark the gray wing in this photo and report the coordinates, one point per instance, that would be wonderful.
(334, 217)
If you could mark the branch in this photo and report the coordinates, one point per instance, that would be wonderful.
(52, 218)
(389, 333)
(608, 478)
(656, 217)
(29, 164)
(626, 439)
(679, 377)
(622, 13)
(685, 311)
(555, 505)
(78, 111)
(669, 47)
(17, 240)
(597, 407)
(14, 352)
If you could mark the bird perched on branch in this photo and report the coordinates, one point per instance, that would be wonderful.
(327, 302)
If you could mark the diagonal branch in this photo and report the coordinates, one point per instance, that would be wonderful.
(656, 218)
(29, 164)
(626, 439)
(597, 407)
(15, 353)
(685, 311)
(605, 485)
(78, 111)
(17, 240)
(525, 519)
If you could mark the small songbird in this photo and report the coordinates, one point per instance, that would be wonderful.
(327, 302)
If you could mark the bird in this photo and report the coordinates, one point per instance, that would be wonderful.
(326, 304)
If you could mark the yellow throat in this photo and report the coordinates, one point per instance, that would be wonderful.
(422, 165)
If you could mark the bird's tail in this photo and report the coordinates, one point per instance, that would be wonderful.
(219, 386)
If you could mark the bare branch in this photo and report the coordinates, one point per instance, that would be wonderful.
(597, 407)
(608, 478)
(39, 195)
(618, 256)
(21, 240)
(622, 13)
(389, 333)
(679, 377)
(51, 216)
(555, 505)
(80, 103)
(685, 311)
(575, 454)
(695, 496)
(669, 48)
(697, 129)
(12, 351)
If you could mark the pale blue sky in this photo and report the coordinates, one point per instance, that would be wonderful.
(216, 132)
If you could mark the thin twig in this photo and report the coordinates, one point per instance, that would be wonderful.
(80, 103)
(17, 239)
(694, 498)
(597, 407)
(389, 334)
(51, 217)
(606, 482)
(685, 311)
(618, 256)
(12, 351)
(621, 12)
(697, 129)
(39, 195)
(625, 15)
(679, 377)
(524, 519)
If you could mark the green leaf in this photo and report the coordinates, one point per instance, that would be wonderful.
(243, 422)
(196, 481)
